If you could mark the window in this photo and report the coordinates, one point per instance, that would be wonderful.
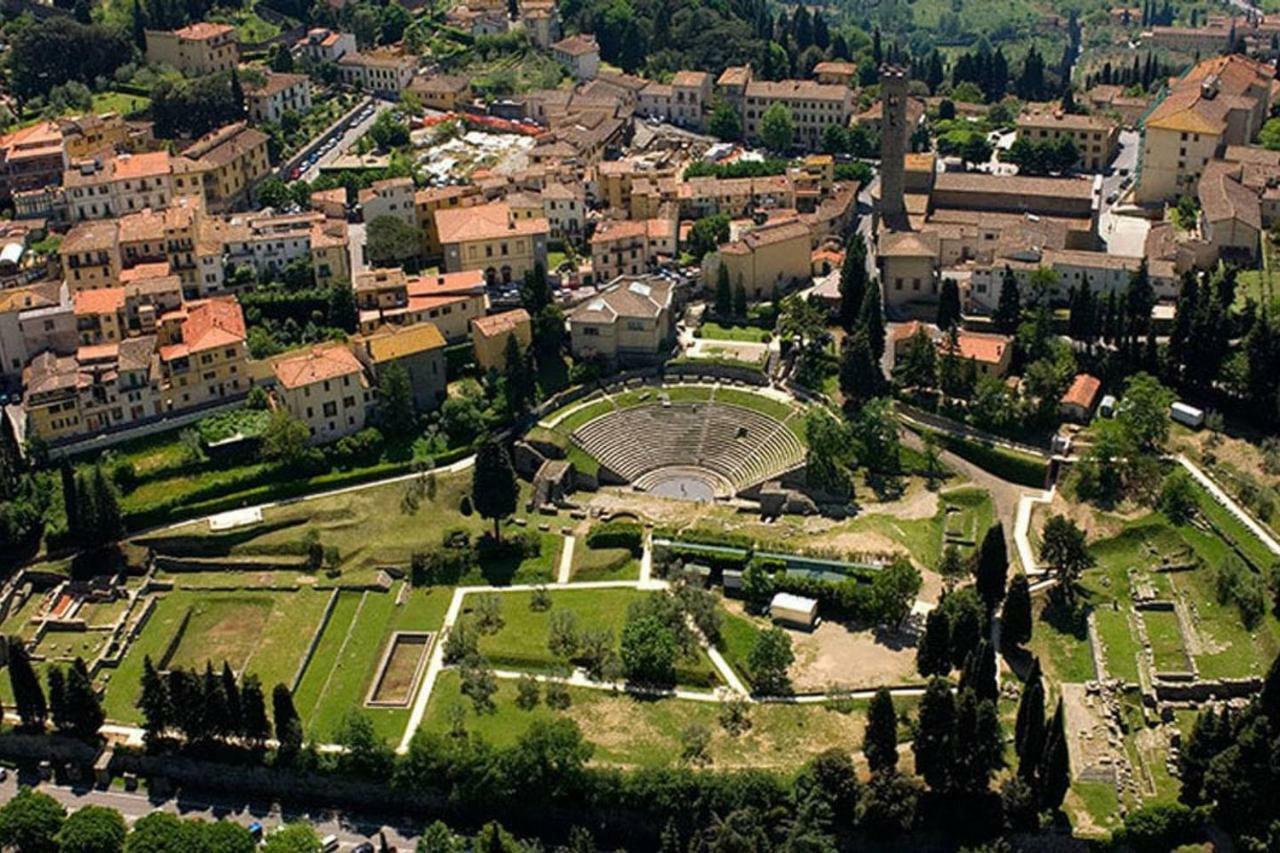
(330, 409)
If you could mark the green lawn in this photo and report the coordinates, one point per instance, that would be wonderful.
(587, 412)
(264, 633)
(1121, 647)
(522, 641)
(338, 683)
(738, 636)
(119, 102)
(776, 409)
(629, 731)
(748, 334)
(604, 564)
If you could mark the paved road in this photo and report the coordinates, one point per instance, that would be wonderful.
(349, 830)
(347, 139)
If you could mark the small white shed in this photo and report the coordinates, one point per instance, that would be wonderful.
(794, 610)
(1187, 415)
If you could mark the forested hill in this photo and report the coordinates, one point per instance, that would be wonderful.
(660, 36)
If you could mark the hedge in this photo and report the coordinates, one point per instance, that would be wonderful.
(1021, 468)
(706, 536)
(617, 534)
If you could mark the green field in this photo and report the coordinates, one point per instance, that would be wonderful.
(637, 732)
(264, 633)
(604, 564)
(738, 636)
(1121, 647)
(747, 334)
(340, 673)
(1166, 640)
(521, 643)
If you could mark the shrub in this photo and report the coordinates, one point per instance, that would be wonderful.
(1159, 827)
(617, 534)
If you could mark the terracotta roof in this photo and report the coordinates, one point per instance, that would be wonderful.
(1222, 197)
(689, 79)
(734, 75)
(618, 229)
(393, 342)
(141, 272)
(202, 30)
(1200, 101)
(316, 365)
(808, 90)
(500, 324)
(989, 349)
(467, 283)
(123, 167)
(577, 45)
(484, 222)
(223, 145)
(276, 82)
(1083, 391)
(830, 67)
(978, 182)
(908, 244)
(209, 324)
(440, 83)
(1058, 119)
(90, 236)
(104, 300)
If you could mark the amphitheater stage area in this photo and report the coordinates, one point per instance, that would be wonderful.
(689, 484)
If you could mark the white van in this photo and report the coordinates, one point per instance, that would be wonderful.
(329, 843)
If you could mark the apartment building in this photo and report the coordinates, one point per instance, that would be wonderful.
(31, 158)
(579, 54)
(276, 95)
(630, 323)
(120, 184)
(271, 243)
(836, 73)
(445, 92)
(629, 247)
(324, 387)
(196, 49)
(382, 71)
(195, 357)
(1219, 102)
(134, 308)
(428, 202)
(1096, 137)
(813, 106)
(451, 300)
(91, 255)
(229, 161)
(487, 237)
(683, 102)
(565, 208)
(390, 197)
(86, 135)
(322, 45)
(21, 336)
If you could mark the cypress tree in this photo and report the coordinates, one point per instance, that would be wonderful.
(933, 656)
(1009, 307)
(217, 722)
(853, 281)
(231, 690)
(1015, 618)
(932, 745)
(28, 694)
(993, 567)
(70, 497)
(1029, 731)
(288, 725)
(253, 712)
(948, 304)
(966, 628)
(979, 672)
(84, 707)
(58, 699)
(157, 712)
(1055, 764)
(724, 292)
(108, 522)
(880, 741)
(873, 319)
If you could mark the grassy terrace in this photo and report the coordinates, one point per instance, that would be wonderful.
(260, 632)
(604, 564)
(339, 676)
(631, 731)
(522, 641)
(746, 334)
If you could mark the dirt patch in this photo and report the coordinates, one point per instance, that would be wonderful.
(401, 671)
(835, 655)
(917, 503)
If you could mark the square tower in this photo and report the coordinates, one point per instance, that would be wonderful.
(893, 146)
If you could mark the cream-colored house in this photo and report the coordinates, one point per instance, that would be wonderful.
(630, 323)
(489, 336)
(770, 258)
(325, 388)
(196, 49)
(488, 237)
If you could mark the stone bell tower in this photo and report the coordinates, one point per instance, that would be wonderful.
(893, 146)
